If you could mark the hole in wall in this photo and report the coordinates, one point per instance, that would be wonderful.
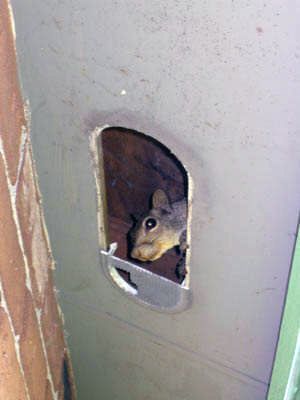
(146, 190)
(127, 277)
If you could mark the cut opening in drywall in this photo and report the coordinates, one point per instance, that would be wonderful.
(144, 195)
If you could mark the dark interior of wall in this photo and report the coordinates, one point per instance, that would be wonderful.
(135, 165)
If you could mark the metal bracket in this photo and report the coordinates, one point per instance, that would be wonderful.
(147, 288)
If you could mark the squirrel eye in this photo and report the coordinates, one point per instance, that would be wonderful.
(150, 223)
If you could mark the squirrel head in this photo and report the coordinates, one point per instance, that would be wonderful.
(154, 233)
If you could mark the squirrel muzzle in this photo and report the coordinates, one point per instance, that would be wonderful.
(151, 251)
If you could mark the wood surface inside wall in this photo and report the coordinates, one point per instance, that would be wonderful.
(34, 361)
(135, 165)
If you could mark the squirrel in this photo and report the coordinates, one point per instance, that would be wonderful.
(161, 229)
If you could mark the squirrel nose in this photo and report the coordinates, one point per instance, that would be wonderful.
(135, 253)
(139, 254)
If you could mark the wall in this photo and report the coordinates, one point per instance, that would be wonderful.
(217, 82)
(286, 371)
(34, 357)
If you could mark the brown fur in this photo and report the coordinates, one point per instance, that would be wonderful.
(169, 231)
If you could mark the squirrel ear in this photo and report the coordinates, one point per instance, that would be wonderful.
(160, 200)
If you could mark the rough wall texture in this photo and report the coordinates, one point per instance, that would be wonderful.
(32, 348)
